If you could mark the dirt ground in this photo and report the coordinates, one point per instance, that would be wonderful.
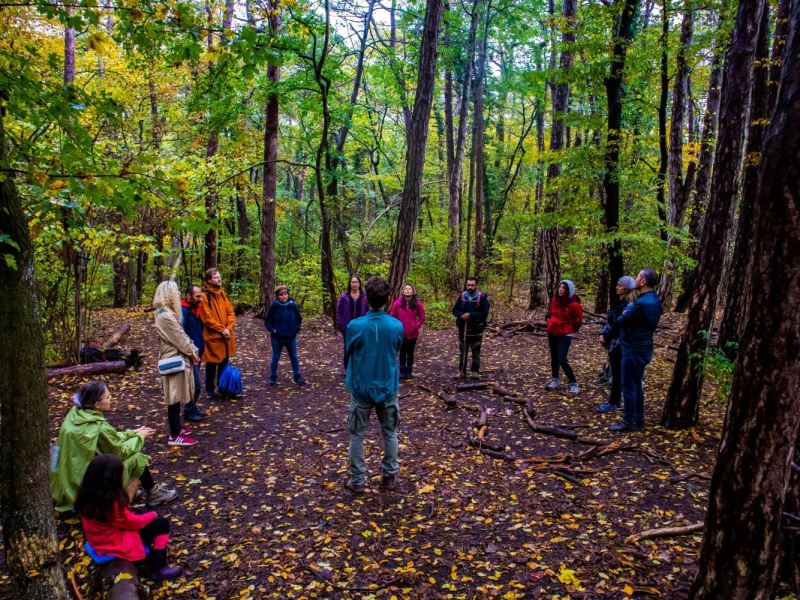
(263, 513)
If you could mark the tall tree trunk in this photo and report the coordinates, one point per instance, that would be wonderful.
(663, 153)
(324, 157)
(681, 408)
(456, 157)
(478, 144)
(739, 555)
(30, 541)
(270, 186)
(702, 183)
(678, 190)
(623, 34)
(415, 151)
(765, 87)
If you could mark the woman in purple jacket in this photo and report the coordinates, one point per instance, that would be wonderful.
(411, 314)
(351, 305)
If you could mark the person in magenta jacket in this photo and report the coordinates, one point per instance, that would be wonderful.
(409, 310)
(351, 305)
(112, 528)
(565, 318)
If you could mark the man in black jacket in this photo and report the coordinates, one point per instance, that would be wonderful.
(471, 310)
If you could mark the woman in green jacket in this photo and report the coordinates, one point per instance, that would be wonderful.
(86, 433)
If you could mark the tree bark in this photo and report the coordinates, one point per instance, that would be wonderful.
(478, 145)
(765, 87)
(415, 151)
(663, 152)
(623, 34)
(30, 540)
(678, 190)
(702, 183)
(270, 185)
(681, 408)
(739, 555)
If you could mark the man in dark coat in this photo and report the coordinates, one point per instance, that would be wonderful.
(636, 325)
(471, 310)
(193, 326)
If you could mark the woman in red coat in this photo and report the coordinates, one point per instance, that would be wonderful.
(566, 318)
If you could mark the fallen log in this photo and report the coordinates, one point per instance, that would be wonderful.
(502, 391)
(471, 386)
(99, 368)
(664, 532)
(116, 337)
(449, 401)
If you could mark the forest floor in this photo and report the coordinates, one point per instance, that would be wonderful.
(262, 510)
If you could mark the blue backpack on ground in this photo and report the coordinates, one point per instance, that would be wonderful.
(230, 381)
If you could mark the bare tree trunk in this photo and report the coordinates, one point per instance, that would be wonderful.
(702, 183)
(415, 151)
(30, 540)
(623, 34)
(765, 87)
(478, 144)
(739, 555)
(678, 190)
(270, 185)
(663, 153)
(681, 408)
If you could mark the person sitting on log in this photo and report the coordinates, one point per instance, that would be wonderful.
(84, 434)
(112, 528)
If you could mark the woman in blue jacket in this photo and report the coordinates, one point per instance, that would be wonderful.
(283, 322)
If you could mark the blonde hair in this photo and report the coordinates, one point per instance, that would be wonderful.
(168, 295)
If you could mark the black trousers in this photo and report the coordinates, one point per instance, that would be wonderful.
(559, 348)
(213, 371)
(615, 360)
(407, 353)
(156, 527)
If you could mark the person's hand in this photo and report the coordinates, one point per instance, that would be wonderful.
(195, 358)
(145, 432)
(602, 340)
(465, 317)
(226, 333)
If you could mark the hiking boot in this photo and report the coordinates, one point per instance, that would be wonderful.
(273, 380)
(181, 440)
(356, 489)
(159, 495)
(574, 389)
(389, 482)
(191, 416)
(299, 380)
(619, 427)
(607, 407)
(160, 568)
(553, 385)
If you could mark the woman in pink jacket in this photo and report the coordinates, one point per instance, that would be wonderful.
(411, 314)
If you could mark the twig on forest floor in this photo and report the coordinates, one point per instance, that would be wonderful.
(689, 475)
(346, 588)
(336, 430)
(664, 532)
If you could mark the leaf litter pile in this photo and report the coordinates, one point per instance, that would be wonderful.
(505, 490)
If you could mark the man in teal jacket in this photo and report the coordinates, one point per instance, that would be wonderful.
(372, 343)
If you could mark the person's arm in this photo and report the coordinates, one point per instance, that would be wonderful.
(299, 316)
(420, 314)
(268, 319)
(231, 314)
(393, 309)
(175, 335)
(340, 308)
(578, 316)
(208, 318)
(122, 444)
(124, 518)
(457, 311)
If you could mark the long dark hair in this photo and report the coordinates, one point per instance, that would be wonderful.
(101, 489)
(412, 304)
(90, 393)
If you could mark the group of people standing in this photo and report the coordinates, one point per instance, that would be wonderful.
(627, 336)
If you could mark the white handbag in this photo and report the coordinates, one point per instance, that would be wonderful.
(171, 365)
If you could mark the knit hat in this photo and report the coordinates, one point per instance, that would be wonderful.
(627, 282)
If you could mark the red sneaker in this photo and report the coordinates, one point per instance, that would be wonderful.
(181, 440)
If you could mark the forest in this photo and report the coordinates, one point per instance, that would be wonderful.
(519, 142)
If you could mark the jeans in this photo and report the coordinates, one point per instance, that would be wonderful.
(615, 360)
(196, 373)
(357, 424)
(213, 371)
(633, 364)
(473, 343)
(278, 344)
(407, 353)
(559, 348)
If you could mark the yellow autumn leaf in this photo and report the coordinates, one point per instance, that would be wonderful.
(628, 589)
(568, 577)
(426, 489)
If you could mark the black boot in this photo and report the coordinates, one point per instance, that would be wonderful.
(159, 568)
(191, 413)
